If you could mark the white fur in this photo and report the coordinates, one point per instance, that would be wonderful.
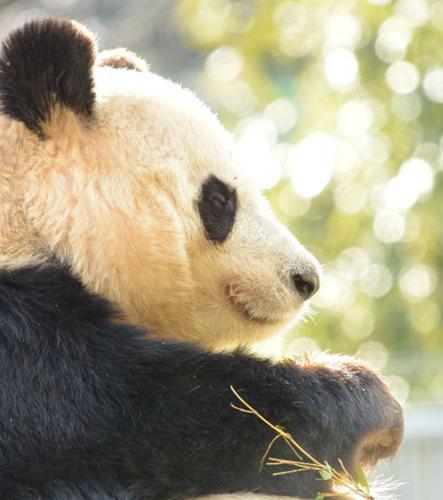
(116, 199)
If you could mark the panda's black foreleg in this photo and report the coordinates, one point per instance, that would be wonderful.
(90, 405)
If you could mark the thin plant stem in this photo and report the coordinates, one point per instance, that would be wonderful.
(305, 461)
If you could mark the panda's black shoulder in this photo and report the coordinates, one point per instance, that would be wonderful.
(49, 295)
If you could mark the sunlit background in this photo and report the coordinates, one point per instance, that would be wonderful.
(339, 104)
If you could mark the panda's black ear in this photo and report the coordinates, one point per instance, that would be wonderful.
(121, 58)
(45, 63)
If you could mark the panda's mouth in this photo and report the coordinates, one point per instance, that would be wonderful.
(246, 309)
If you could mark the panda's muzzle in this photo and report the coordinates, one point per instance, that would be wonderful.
(274, 305)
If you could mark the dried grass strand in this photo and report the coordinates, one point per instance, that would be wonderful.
(339, 478)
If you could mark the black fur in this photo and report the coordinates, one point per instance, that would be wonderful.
(43, 63)
(93, 409)
(217, 207)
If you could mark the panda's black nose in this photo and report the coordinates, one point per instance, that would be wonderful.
(306, 282)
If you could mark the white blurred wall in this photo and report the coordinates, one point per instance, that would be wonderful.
(419, 463)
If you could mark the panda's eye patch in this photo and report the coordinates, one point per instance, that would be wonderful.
(219, 201)
(217, 206)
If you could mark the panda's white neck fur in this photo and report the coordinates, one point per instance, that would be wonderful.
(48, 208)
(18, 242)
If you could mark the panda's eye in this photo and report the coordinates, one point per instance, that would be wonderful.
(217, 206)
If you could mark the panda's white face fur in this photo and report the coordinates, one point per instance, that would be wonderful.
(150, 205)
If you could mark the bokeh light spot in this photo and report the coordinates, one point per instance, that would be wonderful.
(335, 292)
(312, 163)
(425, 316)
(389, 227)
(436, 16)
(257, 148)
(376, 280)
(239, 98)
(406, 107)
(417, 282)
(350, 197)
(347, 155)
(341, 69)
(342, 29)
(433, 84)
(224, 64)
(283, 114)
(402, 77)
(399, 387)
(414, 179)
(290, 16)
(206, 26)
(374, 354)
(357, 323)
(393, 39)
(414, 12)
(355, 118)
(291, 205)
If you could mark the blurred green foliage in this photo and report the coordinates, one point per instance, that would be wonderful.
(338, 105)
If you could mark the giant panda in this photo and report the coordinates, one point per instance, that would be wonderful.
(134, 250)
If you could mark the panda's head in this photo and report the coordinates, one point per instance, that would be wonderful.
(131, 181)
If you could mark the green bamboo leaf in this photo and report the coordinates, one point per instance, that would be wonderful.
(361, 479)
(325, 475)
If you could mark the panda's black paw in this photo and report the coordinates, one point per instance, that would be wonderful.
(384, 426)
(368, 418)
